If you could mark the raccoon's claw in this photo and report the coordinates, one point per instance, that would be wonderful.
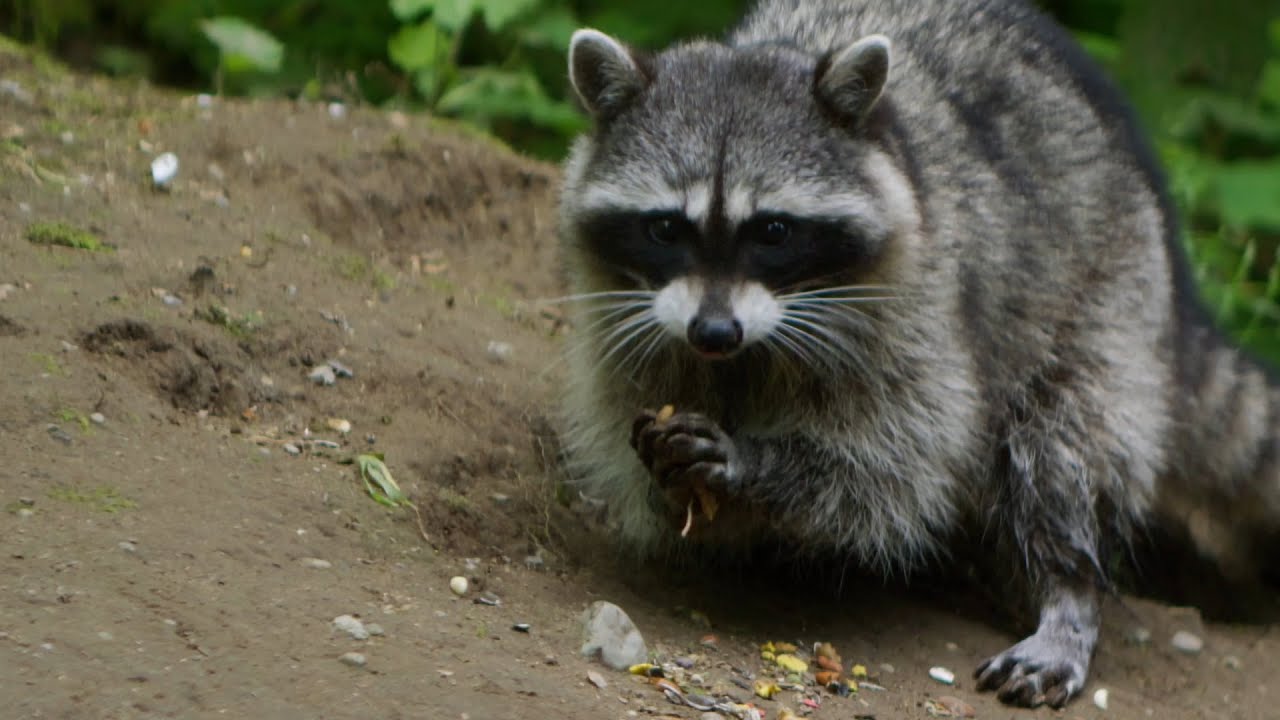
(686, 448)
(1037, 671)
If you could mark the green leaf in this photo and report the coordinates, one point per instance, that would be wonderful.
(407, 10)
(418, 46)
(243, 46)
(1249, 194)
(552, 28)
(499, 13)
(485, 94)
(453, 15)
(378, 481)
(1269, 84)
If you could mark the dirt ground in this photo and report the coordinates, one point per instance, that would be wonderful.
(160, 536)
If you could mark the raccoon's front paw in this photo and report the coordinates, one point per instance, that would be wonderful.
(1045, 669)
(682, 452)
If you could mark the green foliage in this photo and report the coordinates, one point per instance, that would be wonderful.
(243, 47)
(479, 60)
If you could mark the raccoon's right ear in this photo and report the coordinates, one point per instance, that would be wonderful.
(606, 75)
(849, 81)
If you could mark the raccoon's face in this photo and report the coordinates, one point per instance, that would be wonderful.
(740, 193)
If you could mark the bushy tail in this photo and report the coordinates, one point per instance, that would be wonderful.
(1223, 484)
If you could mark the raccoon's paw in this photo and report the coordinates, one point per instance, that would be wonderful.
(684, 450)
(1044, 669)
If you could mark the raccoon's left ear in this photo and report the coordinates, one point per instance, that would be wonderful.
(605, 74)
(849, 81)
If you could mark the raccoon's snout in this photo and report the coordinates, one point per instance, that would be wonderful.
(715, 335)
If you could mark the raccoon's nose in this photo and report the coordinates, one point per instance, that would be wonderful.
(715, 336)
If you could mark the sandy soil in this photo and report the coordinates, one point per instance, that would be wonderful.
(156, 531)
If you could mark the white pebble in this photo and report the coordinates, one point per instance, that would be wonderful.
(1140, 636)
(25, 513)
(942, 675)
(458, 585)
(1186, 642)
(352, 626)
(323, 375)
(98, 418)
(316, 563)
(164, 169)
(1100, 698)
(500, 352)
(337, 110)
(127, 546)
(292, 449)
(354, 659)
(375, 629)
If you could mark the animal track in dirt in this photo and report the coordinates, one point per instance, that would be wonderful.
(192, 374)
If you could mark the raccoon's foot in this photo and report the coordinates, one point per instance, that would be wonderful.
(1050, 667)
(682, 451)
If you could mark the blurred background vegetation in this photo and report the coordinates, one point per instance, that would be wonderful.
(1204, 76)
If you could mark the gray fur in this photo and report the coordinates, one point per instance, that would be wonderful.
(1032, 371)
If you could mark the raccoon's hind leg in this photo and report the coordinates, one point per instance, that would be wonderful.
(1048, 528)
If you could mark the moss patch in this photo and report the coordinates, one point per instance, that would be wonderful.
(66, 235)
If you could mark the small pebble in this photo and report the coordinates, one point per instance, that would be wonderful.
(1140, 636)
(1232, 662)
(354, 659)
(684, 662)
(521, 627)
(942, 675)
(337, 110)
(67, 137)
(341, 370)
(375, 629)
(458, 585)
(1100, 698)
(500, 352)
(339, 425)
(104, 635)
(488, 598)
(164, 169)
(597, 679)
(352, 626)
(204, 100)
(292, 449)
(323, 375)
(98, 418)
(60, 435)
(534, 562)
(1186, 642)
(26, 501)
(127, 546)
(948, 706)
(26, 513)
(316, 563)
(7, 289)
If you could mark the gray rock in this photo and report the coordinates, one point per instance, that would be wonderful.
(341, 370)
(375, 629)
(323, 375)
(316, 563)
(292, 449)
(351, 626)
(354, 659)
(609, 633)
(98, 418)
(1186, 642)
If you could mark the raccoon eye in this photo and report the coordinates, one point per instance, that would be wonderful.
(665, 230)
(775, 232)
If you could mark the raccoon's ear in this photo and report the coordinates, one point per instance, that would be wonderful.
(849, 81)
(605, 74)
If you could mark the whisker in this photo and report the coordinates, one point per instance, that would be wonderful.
(647, 294)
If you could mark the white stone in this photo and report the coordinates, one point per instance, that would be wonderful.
(609, 633)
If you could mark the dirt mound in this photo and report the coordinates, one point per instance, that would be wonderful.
(191, 373)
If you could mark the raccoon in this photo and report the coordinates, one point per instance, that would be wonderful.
(909, 275)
